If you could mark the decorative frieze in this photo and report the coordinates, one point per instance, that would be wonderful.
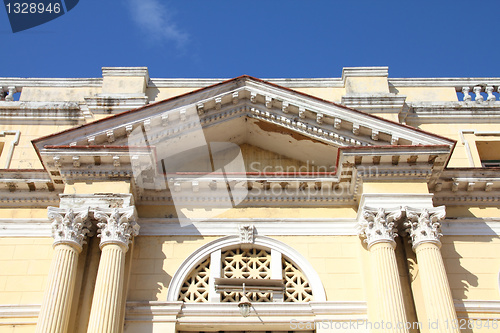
(69, 226)
(117, 225)
(378, 225)
(424, 225)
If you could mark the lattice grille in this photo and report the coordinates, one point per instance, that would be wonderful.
(297, 287)
(195, 288)
(248, 264)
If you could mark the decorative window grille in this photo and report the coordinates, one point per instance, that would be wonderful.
(297, 287)
(248, 264)
(195, 288)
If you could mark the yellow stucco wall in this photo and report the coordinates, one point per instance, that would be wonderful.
(328, 94)
(159, 94)
(452, 130)
(24, 155)
(336, 259)
(123, 85)
(24, 263)
(427, 94)
(472, 264)
(155, 261)
(366, 85)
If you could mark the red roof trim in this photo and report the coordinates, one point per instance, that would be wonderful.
(233, 80)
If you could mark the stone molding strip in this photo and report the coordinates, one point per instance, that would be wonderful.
(270, 227)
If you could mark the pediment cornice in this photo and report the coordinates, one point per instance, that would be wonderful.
(246, 96)
(105, 150)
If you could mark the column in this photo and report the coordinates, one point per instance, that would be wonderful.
(117, 227)
(379, 229)
(424, 228)
(69, 229)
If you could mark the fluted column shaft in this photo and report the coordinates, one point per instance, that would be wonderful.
(424, 228)
(436, 289)
(387, 283)
(117, 227)
(55, 308)
(379, 229)
(69, 230)
(106, 304)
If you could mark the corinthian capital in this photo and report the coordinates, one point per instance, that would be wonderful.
(69, 226)
(378, 225)
(116, 225)
(424, 225)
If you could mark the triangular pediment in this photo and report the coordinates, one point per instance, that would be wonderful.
(241, 112)
(248, 110)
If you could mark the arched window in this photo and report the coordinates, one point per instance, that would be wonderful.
(227, 257)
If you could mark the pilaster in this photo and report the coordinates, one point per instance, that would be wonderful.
(69, 229)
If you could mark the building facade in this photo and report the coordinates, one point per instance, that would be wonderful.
(354, 204)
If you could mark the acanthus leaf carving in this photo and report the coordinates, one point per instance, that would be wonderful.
(424, 225)
(69, 226)
(117, 225)
(378, 225)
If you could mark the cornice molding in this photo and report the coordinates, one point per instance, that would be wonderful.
(50, 82)
(258, 93)
(382, 71)
(125, 71)
(273, 315)
(477, 307)
(20, 112)
(444, 82)
(460, 111)
(267, 227)
(14, 314)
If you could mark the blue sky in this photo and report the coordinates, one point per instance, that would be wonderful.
(260, 38)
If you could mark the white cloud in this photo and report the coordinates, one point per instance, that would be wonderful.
(154, 18)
